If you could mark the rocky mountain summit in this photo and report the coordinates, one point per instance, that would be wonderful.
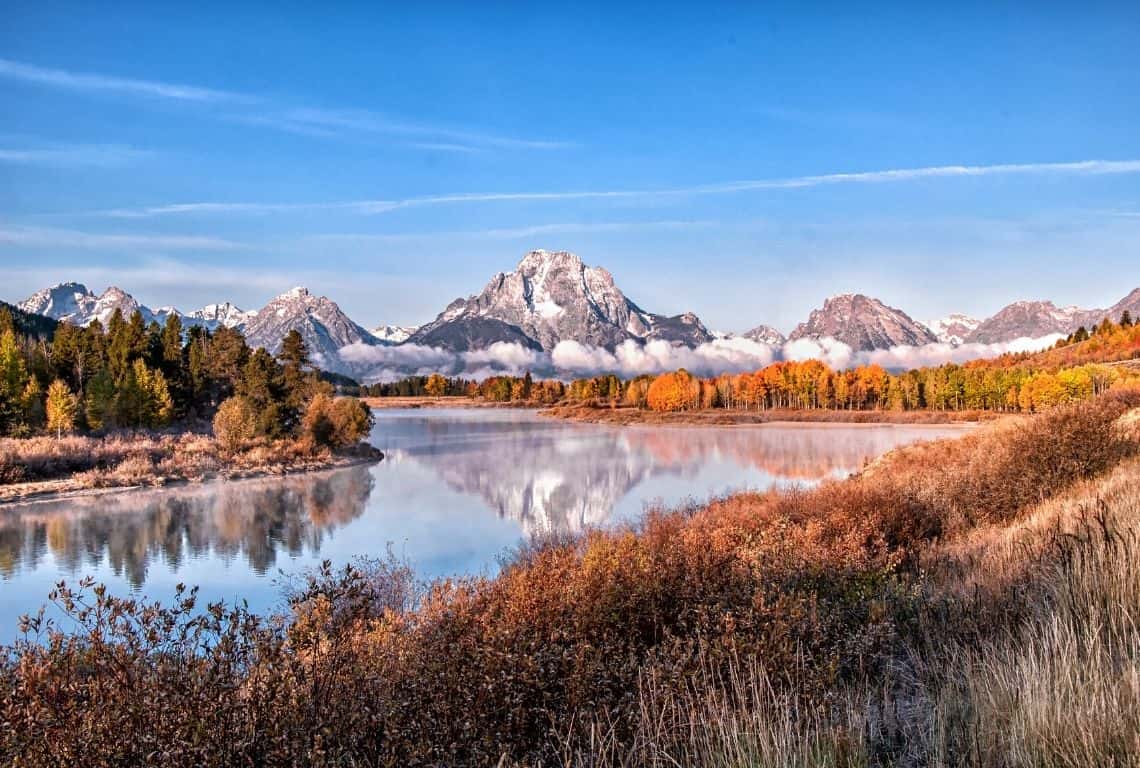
(549, 297)
(225, 315)
(765, 334)
(72, 302)
(863, 323)
(321, 323)
(1032, 319)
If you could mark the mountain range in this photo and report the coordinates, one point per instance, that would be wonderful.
(551, 297)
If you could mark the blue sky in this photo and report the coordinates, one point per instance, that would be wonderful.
(737, 162)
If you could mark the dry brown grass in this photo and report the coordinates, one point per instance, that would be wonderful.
(1058, 685)
(33, 466)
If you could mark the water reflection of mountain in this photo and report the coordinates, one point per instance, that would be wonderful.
(560, 480)
(253, 519)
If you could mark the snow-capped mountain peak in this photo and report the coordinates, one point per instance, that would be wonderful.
(321, 323)
(552, 296)
(393, 334)
(72, 302)
(765, 334)
(954, 328)
(225, 315)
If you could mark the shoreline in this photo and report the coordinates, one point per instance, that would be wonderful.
(709, 417)
(459, 402)
(58, 489)
(719, 417)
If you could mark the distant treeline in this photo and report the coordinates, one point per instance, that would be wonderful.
(494, 388)
(137, 375)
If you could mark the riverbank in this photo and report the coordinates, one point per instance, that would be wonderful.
(44, 468)
(719, 417)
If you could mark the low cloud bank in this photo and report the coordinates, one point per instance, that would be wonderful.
(380, 363)
(571, 359)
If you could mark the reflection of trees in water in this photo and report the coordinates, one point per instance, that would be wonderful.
(564, 480)
(253, 519)
(797, 453)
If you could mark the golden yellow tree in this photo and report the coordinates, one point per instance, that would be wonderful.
(436, 386)
(61, 408)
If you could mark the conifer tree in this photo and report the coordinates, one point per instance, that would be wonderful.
(100, 401)
(32, 403)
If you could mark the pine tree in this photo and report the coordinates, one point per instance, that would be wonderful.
(147, 397)
(100, 401)
(32, 402)
(295, 373)
(172, 342)
(1126, 319)
(160, 405)
(61, 408)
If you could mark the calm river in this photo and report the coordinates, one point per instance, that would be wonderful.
(457, 490)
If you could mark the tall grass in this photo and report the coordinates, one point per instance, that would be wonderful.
(1061, 687)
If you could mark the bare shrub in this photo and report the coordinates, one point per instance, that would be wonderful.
(235, 423)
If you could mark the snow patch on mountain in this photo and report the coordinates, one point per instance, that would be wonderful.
(71, 302)
(954, 328)
(225, 315)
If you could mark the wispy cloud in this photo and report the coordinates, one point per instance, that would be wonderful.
(62, 156)
(336, 121)
(251, 109)
(515, 233)
(889, 176)
(82, 81)
(38, 237)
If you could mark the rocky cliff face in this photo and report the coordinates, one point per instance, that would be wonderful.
(551, 297)
(863, 323)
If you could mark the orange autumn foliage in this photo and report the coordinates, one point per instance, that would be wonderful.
(675, 391)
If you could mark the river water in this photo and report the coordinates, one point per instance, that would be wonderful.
(457, 491)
